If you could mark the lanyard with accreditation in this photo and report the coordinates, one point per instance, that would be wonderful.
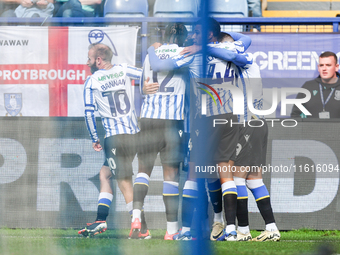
(324, 114)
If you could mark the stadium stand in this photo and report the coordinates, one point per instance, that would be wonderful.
(175, 8)
(122, 8)
(129, 9)
(232, 9)
(306, 8)
(300, 5)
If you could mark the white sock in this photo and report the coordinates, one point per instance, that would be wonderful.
(185, 229)
(129, 208)
(243, 230)
(136, 214)
(172, 227)
(218, 217)
(271, 227)
(230, 228)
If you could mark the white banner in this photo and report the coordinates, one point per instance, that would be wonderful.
(23, 45)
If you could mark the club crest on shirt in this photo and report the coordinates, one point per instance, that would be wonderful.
(13, 103)
(337, 95)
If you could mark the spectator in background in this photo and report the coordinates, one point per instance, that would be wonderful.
(7, 7)
(325, 90)
(255, 10)
(35, 9)
(76, 8)
(26, 8)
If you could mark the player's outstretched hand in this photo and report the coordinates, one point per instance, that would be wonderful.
(150, 88)
(96, 146)
(191, 50)
(156, 45)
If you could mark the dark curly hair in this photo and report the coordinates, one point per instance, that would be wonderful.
(175, 33)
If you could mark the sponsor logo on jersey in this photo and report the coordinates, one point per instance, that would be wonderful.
(165, 50)
(111, 76)
(13, 103)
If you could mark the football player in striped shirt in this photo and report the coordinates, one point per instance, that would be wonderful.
(224, 138)
(161, 125)
(250, 156)
(109, 91)
(251, 149)
(213, 184)
(190, 186)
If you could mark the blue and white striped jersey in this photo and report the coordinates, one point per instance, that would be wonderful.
(110, 93)
(253, 74)
(235, 46)
(168, 102)
(224, 73)
(246, 78)
(196, 72)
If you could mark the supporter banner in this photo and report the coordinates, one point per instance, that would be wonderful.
(289, 60)
(49, 176)
(282, 55)
(38, 65)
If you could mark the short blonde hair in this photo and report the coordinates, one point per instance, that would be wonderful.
(103, 51)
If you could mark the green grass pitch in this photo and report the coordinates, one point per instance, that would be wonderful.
(60, 242)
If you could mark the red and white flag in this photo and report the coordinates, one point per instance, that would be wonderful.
(42, 70)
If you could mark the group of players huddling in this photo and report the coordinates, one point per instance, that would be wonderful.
(172, 88)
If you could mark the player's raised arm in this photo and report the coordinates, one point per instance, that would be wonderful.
(241, 39)
(230, 50)
(159, 65)
(241, 60)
